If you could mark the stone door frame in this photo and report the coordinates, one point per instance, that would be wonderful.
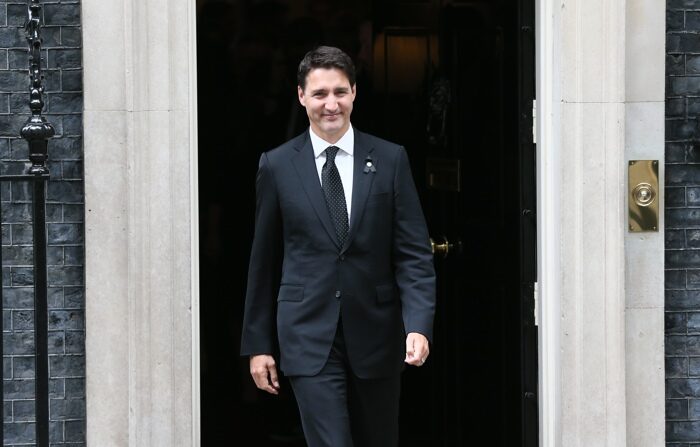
(600, 78)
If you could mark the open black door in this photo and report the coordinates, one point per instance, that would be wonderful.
(454, 83)
(528, 229)
(473, 155)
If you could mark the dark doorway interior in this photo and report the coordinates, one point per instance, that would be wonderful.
(452, 82)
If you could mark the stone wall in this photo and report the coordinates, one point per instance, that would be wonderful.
(65, 216)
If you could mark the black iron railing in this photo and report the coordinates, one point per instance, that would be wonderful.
(37, 131)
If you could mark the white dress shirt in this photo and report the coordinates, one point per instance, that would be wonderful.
(343, 160)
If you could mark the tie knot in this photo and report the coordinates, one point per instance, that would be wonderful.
(331, 152)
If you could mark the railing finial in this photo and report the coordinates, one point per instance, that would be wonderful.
(37, 131)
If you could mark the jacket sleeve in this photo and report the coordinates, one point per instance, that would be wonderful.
(259, 334)
(413, 258)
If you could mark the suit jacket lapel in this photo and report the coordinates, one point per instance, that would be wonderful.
(361, 183)
(305, 165)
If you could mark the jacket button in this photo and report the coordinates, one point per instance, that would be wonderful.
(337, 293)
(342, 257)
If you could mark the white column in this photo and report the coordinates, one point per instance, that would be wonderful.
(592, 206)
(549, 181)
(141, 223)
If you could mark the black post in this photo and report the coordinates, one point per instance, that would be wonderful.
(41, 316)
(37, 132)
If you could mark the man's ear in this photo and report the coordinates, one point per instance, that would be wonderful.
(300, 94)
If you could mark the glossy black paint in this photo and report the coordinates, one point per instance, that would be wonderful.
(528, 226)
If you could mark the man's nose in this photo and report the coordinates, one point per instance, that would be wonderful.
(331, 104)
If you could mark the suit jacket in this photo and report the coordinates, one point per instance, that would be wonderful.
(381, 282)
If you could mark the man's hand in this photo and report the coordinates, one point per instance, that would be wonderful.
(417, 349)
(264, 372)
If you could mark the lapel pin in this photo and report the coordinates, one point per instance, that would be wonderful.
(369, 165)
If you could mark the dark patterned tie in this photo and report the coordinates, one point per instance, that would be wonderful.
(335, 195)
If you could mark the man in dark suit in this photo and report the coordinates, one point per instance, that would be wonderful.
(341, 280)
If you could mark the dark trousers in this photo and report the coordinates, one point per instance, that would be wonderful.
(340, 410)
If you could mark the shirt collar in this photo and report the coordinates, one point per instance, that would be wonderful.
(346, 142)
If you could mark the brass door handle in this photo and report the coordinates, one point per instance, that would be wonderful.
(441, 249)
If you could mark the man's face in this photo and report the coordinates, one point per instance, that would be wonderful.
(328, 98)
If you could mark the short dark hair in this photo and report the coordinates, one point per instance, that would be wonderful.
(325, 57)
